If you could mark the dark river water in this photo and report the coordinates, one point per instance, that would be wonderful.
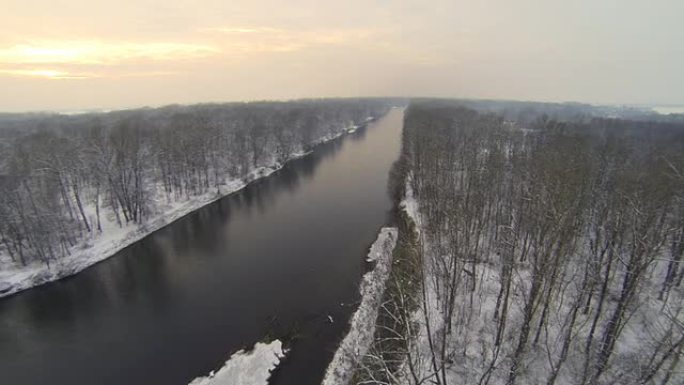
(273, 260)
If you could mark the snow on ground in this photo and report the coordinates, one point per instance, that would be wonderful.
(465, 368)
(362, 325)
(98, 247)
(421, 345)
(113, 238)
(475, 346)
(410, 204)
(247, 368)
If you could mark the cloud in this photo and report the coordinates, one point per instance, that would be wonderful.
(59, 74)
(391, 44)
(99, 52)
(250, 39)
(46, 74)
(238, 30)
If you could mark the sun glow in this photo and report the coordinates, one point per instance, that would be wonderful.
(68, 74)
(45, 73)
(97, 52)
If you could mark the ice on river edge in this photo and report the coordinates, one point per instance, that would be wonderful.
(113, 239)
(362, 325)
(247, 368)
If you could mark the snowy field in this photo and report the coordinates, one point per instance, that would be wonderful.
(247, 368)
(96, 247)
(362, 325)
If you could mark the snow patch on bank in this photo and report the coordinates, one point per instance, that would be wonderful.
(362, 326)
(421, 344)
(96, 247)
(410, 204)
(247, 368)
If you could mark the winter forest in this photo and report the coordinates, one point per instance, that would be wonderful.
(68, 181)
(404, 192)
(528, 243)
(535, 249)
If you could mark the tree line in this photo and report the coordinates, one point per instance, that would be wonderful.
(62, 177)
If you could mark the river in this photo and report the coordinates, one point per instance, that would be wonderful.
(271, 261)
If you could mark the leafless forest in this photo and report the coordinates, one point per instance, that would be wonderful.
(536, 250)
(60, 176)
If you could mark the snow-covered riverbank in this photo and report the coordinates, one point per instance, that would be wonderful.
(362, 325)
(98, 247)
(247, 368)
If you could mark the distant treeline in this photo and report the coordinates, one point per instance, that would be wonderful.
(552, 250)
(527, 112)
(60, 176)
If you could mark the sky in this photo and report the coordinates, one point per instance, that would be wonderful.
(83, 54)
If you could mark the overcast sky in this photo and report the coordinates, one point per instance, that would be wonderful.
(82, 54)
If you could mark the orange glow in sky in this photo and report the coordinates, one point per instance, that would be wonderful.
(132, 53)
